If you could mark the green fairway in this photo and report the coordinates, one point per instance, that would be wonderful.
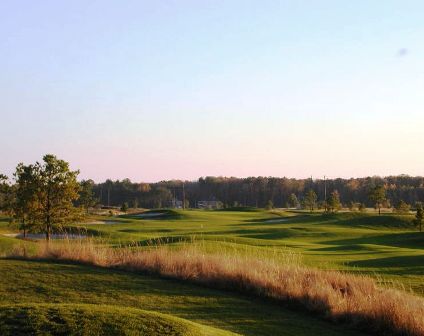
(30, 283)
(386, 246)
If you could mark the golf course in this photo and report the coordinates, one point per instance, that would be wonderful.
(48, 296)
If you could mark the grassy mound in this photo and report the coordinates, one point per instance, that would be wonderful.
(388, 221)
(77, 319)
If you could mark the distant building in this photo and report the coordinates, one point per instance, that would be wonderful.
(209, 204)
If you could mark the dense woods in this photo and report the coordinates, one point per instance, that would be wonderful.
(262, 191)
(44, 196)
(42, 192)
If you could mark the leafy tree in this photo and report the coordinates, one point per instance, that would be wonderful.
(310, 200)
(25, 206)
(135, 203)
(293, 201)
(269, 205)
(7, 195)
(377, 195)
(160, 196)
(4, 190)
(186, 203)
(402, 207)
(124, 207)
(322, 205)
(352, 206)
(86, 195)
(418, 221)
(254, 191)
(57, 189)
(334, 201)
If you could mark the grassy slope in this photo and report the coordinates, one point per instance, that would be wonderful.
(77, 319)
(386, 246)
(31, 282)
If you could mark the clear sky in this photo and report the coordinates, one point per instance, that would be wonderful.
(155, 90)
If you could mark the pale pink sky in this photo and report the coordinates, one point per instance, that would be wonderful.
(160, 90)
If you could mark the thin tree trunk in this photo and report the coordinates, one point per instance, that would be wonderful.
(24, 228)
(48, 230)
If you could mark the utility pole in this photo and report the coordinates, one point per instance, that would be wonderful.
(183, 197)
(325, 194)
(325, 189)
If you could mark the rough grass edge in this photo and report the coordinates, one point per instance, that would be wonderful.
(336, 296)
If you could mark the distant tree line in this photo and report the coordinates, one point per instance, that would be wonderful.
(45, 196)
(265, 192)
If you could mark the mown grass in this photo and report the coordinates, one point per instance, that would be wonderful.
(40, 282)
(387, 246)
(333, 295)
(85, 319)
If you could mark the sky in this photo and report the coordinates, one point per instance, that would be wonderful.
(154, 90)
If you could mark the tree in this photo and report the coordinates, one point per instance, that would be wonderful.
(270, 205)
(57, 188)
(402, 207)
(7, 195)
(124, 207)
(310, 200)
(377, 195)
(160, 196)
(4, 192)
(86, 195)
(135, 203)
(334, 201)
(293, 201)
(25, 205)
(418, 221)
(362, 207)
(186, 203)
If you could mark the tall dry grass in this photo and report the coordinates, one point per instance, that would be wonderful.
(337, 296)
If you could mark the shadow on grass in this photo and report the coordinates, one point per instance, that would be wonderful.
(413, 240)
(241, 209)
(363, 220)
(411, 264)
(159, 214)
(71, 282)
